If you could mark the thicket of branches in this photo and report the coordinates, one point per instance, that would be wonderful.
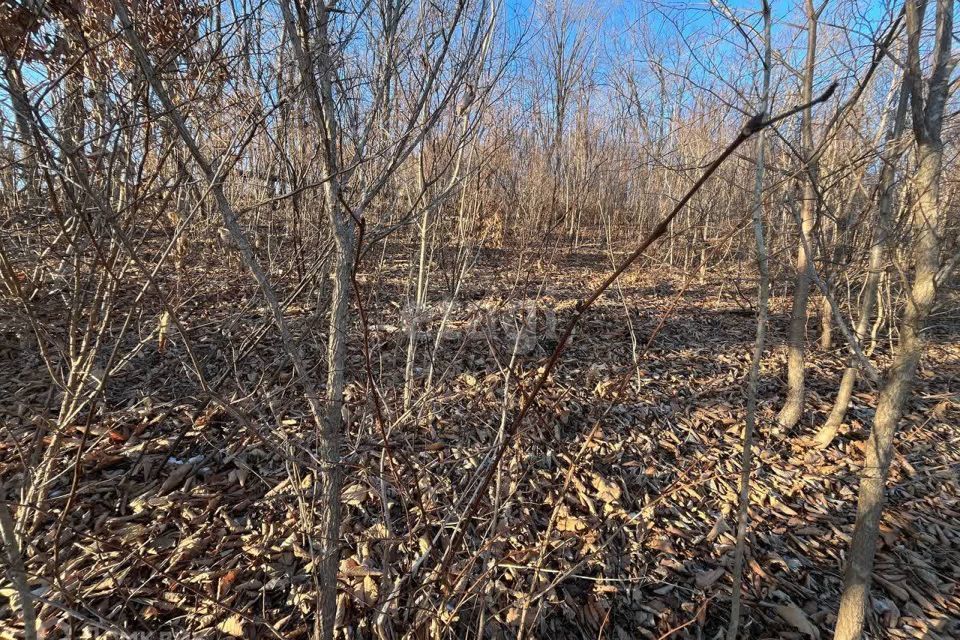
(273, 161)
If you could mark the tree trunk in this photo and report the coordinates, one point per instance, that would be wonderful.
(317, 71)
(417, 309)
(20, 104)
(328, 441)
(793, 406)
(746, 460)
(826, 321)
(926, 226)
(878, 247)
(855, 599)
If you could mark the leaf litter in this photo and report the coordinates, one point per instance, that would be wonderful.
(185, 520)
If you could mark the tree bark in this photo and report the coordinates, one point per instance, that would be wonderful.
(926, 224)
(792, 408)
(317, 71)
(746, 461)
(20, 104)
(878, 248)
(854, 601)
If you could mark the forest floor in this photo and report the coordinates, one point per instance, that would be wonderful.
(185, 518)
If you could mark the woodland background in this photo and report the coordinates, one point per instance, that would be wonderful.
(479, 319)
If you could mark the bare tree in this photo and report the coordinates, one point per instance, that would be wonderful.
(792, 408)
(875, 266)
(928, 99)
(763, 294)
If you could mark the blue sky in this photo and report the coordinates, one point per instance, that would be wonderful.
(695, 29)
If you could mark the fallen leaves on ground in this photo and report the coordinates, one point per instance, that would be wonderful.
(186, 520)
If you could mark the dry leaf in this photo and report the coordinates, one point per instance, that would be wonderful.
(706, 579)
(233, 626)
(607, 491)
(226, 581)
(796, 617)
(355, 494)
(719, 527)
(176, 477)
(370, 591)
(569, 523)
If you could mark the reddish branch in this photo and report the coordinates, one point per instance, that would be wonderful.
(754, 125)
